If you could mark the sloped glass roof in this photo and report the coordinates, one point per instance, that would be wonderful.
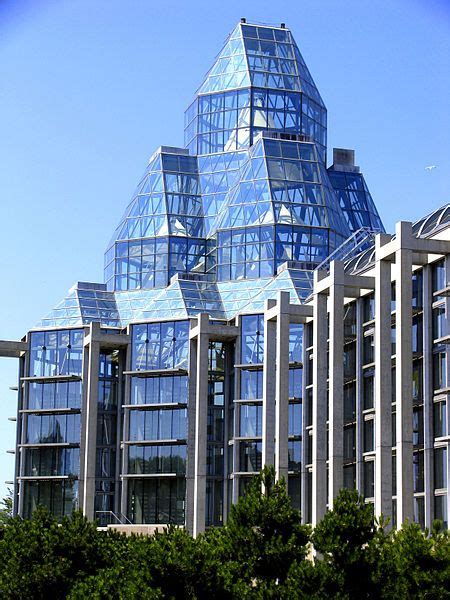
(355, 200)
(261, 56)
(247, 208)
(283, 182)
(84, 303)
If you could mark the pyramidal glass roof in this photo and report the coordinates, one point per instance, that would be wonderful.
(245, 209)
(85, 302)
(261, 56)
(283, 182)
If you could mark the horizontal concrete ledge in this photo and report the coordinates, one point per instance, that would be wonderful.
(156, 372)
(138, 529)
(12, 349)
(108, 340)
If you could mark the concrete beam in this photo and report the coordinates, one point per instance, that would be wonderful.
(404, 239)
(12, 349)
(298, 313)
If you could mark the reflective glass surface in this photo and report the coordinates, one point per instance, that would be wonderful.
(246, 209)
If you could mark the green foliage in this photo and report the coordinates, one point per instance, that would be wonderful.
(263, 552)
(6, 508)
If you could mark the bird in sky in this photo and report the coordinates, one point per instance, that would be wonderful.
(430, 167)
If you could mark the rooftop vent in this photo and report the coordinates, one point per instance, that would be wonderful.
(344, 156)
(344, 160)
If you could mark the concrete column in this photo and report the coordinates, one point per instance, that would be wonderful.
(269, 386)
(319, 458)
(119, 436)
(336, 383)
(282, 388)
(447, 374)
(201, 422)
(126, 434)
(236, 417)
(190, 462)
(24, 368)
(228, 400)
(383, 389)
(307, 334)
(90, 433)
(403, 371)
(428, 439)
(359, 396)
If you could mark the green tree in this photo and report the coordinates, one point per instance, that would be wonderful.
(41, 558)
(344, 539)
(262, 538)
(6, 508)
(414, 564)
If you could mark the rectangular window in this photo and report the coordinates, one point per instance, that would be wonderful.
(440, 418)
(368, 474)
(440, 468)
(368, 435)
(252, 339)
(440, 509)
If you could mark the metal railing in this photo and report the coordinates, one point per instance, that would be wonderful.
(109, 517)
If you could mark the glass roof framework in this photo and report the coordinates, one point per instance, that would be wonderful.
(426, 227)
(355, 200)
(84, 303)
(161, 232)
(245, 209)
(283, 208)
(259, 81)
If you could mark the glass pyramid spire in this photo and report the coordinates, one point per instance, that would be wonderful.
(245, 209)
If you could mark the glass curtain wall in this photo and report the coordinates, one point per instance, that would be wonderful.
(52, 421)
(157, 433)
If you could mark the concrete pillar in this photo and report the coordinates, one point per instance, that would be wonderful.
(236, 417)
(120, 419)
(336, 383)
(269, 386)
(282, 388)
(428, 438)
(359, 396)
(90, 433)
(228, 399)
(201, 423)
(22, 425)
(383, 389)
(307, 335)
(319, 458)
(126, 433)
(190, 462)
(447, 374)
(403, 371)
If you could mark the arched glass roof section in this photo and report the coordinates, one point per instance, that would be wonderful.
(432, 222)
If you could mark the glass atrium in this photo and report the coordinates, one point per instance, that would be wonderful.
(248, 208)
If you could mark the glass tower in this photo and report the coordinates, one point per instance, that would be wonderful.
(115, 416)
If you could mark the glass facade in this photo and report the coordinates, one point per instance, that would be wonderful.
(109, 400)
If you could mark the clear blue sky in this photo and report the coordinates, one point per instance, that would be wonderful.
(89, 88)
